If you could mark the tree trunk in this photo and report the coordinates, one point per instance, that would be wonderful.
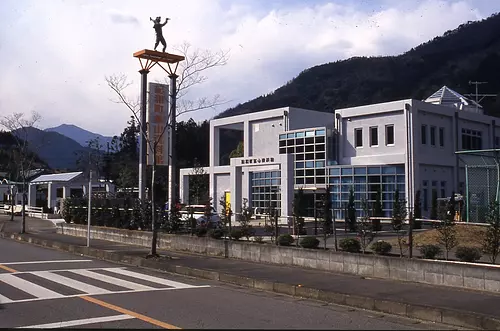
(153, 208)
(12, 203)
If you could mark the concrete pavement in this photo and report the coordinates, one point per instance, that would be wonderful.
(46, 288)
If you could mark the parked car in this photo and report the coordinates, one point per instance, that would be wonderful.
(199, 214)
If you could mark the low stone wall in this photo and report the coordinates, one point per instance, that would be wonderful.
(457, 274)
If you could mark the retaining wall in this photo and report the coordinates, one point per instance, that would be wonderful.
(449, 273)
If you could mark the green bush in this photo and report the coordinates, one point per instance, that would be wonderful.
(309, 242)
(430, 251)
(236, 234)
(468, 254)
(381, 247)
(216, 233)
(285, 240)
(201, 231)
(351, 245)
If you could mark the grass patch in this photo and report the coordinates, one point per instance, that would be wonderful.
(467, 235)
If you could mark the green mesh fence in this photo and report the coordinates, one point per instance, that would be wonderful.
(482, 185)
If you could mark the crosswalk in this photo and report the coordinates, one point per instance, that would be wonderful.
(29, 286)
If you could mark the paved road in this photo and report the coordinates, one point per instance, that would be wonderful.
(46, 288)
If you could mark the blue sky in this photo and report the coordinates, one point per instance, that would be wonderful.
(55, 54)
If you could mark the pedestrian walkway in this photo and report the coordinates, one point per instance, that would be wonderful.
(27, 286)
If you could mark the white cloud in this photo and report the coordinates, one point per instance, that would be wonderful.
(54, 55)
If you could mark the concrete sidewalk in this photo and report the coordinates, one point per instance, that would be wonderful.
(438, 304)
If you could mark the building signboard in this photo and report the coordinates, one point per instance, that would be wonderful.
(258, 160)
(157, 120)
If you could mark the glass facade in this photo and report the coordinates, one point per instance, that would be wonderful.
(365, 180)
(310, 150)
(266, 190)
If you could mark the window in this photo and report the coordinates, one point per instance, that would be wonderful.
(374, 136)
(358, 137)
(443, 189)
(425, 196)
(441, 137)
(497, 142)
(389, 134)
(423, 134)
(433, 136)
(471, 139)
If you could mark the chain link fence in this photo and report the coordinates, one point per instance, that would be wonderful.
(482, 185)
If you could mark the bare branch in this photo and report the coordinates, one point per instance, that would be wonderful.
(187, 106)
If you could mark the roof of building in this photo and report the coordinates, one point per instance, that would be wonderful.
(64, 177)
(447, 97)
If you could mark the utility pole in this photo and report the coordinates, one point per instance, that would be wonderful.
(89, 212)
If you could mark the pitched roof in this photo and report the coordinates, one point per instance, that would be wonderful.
(64, 177)
(448, 97)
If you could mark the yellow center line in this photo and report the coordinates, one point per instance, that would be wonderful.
(7, 268)
(131, 313)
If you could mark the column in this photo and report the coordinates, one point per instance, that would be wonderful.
(32, 195)
(184, 187)
(52, 195)
(247, 139)
(287, 186)
(235, 182)
(214, 145)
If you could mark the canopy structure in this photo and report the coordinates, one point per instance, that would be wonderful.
(482, 181)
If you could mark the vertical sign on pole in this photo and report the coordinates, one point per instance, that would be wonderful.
(157, 122)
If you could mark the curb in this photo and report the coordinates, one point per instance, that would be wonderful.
(421, 312)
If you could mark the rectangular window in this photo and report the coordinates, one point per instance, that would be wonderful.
(441, 137)
(389, 134)
(471, 139)
(374, 136)
(358, 137)
(433, 135)
(425, 196)
(497, 142)
(443, 189)
(423, 134)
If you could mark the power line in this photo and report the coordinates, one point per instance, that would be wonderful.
(477, 95)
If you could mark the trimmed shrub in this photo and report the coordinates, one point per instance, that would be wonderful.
(309, 242)
(430, 251)
(236, 234)
(381, 247)
(216, 233)
(285, 240)
(468, 254)
(351, 245)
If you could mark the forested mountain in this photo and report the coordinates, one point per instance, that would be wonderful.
(469, 53)
(80, 135)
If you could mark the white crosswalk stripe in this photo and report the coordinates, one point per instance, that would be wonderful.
(77, 285)
(29, 287)
(112, 280)
(38, 292)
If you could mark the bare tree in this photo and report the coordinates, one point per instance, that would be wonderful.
(19, 126)
(191, 73)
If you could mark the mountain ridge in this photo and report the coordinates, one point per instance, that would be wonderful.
(79, 134)
(468, 53)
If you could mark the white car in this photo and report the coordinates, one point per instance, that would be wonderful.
(199, 214)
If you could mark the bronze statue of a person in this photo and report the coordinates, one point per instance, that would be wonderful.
(159, 34)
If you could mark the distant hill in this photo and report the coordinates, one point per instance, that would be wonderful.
(9, 154)
(57, 150)
(80, 135)
(469, 53)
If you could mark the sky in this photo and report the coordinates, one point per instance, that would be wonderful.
(55, 54)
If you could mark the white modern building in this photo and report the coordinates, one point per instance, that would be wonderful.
(407, 145)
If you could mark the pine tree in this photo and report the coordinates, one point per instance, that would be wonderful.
(417, 211)
(351, 211)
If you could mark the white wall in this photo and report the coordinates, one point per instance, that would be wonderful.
(221, 184)
(264, 135)
(304, 118)
(381, 154)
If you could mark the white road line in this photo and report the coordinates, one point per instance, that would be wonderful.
(40, 262)
(29, 287)
(54, 270)
(80, 286)
(111, 280)
(5, 299)
(147, 277)
(119, 292)
(79, 322)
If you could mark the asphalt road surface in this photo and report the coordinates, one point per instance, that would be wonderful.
(43, 288)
